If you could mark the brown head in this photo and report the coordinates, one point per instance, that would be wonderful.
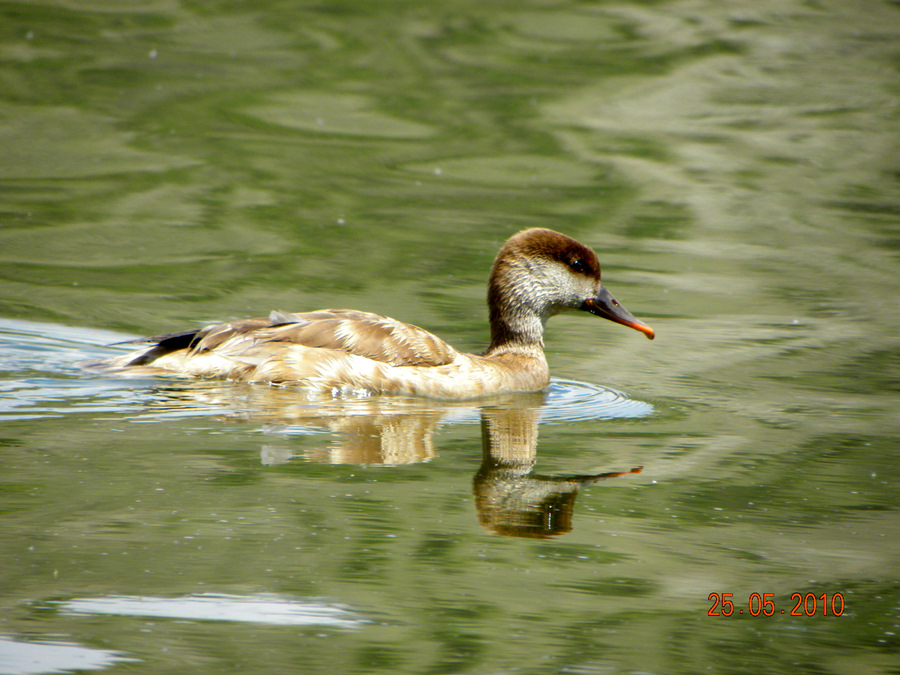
(539, 273)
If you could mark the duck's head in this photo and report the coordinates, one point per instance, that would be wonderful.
(539, 273)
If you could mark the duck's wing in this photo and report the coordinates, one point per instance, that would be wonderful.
(373, 336)
(189, 341)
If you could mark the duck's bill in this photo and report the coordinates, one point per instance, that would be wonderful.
(605, 305)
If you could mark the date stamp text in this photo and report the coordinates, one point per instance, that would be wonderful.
(809, 604)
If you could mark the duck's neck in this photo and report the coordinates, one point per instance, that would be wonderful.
(515, 325)
(519, 337)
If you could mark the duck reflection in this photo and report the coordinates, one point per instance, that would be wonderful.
(395, 431)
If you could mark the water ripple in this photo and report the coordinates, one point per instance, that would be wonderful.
(571, 401)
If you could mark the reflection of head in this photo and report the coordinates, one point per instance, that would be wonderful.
(524, 507)
(510, 500)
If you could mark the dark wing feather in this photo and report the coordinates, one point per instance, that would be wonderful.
(163, 344)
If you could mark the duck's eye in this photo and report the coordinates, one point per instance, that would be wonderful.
(577, 265)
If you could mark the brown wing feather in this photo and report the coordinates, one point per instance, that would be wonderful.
(210, 337)
(359, 333)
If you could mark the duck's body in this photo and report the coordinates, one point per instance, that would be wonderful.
(537, 273)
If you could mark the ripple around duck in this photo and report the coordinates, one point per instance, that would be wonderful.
(571, 401)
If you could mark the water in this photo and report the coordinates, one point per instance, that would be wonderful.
(734, 166)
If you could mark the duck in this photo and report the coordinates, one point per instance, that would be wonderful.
(537, 273)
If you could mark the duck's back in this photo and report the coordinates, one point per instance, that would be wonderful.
(365, 334)
(275, 348)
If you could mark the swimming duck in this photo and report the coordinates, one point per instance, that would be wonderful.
(536, 274)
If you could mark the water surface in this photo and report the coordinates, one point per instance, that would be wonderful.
(734, 167)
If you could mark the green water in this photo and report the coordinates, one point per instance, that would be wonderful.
(734, 165)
